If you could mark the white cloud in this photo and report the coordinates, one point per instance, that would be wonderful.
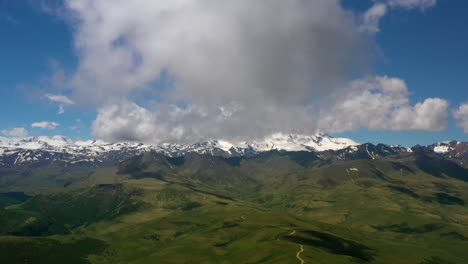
(169, 123)
(461, 114)
(242, 50)
(15, 132)
(267, 59)
(60, 99)
(371, 18)
(225, 69)
(409, 4)
(377, 103)
(380, 103)
(128, 121)
(430, 115)
(45, 125)
(172, 123)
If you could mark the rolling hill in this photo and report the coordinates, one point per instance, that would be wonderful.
(358, 204)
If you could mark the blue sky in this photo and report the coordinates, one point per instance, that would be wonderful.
(426, 48)
(429, 51)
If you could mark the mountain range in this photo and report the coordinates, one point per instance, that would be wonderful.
(59, 149)
(17, 151)
(282, 199)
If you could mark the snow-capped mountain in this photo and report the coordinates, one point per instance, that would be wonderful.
(63, 151)
(59, 149)
(41, 142)
(449, 149)
(291, 142)
(365, 151)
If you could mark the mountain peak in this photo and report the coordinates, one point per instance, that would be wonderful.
(100, 150)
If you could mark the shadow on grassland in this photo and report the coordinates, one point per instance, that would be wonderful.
(333, 244)
(45, 250)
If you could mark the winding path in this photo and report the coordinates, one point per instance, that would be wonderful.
(299, 253)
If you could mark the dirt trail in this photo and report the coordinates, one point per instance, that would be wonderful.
(119, 206)
(299, 253)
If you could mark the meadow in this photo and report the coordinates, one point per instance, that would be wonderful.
(204, 209)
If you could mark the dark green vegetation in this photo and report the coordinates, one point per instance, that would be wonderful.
(44, 250)
(60, 213)
(10, 198)
(407, 208)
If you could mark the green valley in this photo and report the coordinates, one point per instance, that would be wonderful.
(260, 209)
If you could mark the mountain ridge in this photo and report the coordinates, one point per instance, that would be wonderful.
(59, 149)
(364, 203)
(289, 142)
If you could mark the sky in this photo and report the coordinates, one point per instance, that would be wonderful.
(379, 71)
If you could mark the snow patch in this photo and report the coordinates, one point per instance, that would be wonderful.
(59, 148)
(224, 145)
(441, 149)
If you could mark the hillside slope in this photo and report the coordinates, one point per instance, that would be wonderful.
(374, 204)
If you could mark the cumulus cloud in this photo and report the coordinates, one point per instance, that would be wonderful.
(15, 132)
(190, 70)
(242, 50)
(461, 114)
(380, 103)
(169, 123)
(255, 63)
(429, 115)
(377, 103)
(45, 125)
